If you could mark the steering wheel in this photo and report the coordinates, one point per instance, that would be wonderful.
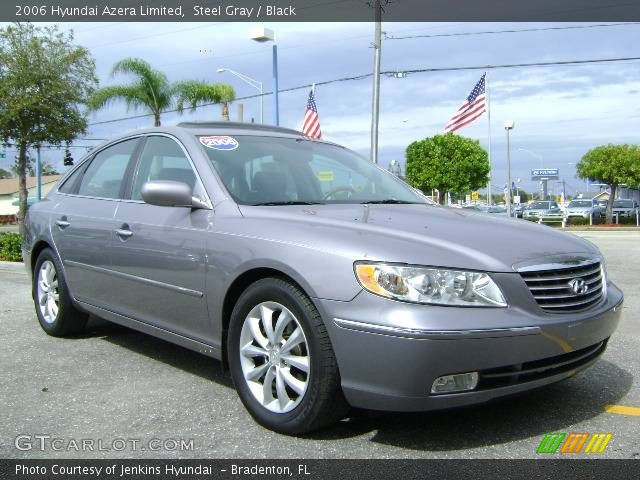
(333, 191)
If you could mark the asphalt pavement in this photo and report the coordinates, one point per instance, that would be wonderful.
(131, 395)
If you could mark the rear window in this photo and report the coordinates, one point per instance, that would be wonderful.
(540, 205)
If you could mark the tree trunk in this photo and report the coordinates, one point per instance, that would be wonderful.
(157, 119)
(609, 211)
(225, 111)
(22, 186)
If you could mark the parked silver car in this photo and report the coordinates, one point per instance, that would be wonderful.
(584, 208)
(542, 209)
(321, 280)
(625, 208)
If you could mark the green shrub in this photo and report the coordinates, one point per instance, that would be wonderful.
(577, 221)
(10, 247)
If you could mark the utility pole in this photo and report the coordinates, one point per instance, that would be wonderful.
(375, 110)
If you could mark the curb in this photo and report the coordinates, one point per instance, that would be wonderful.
(14, 267)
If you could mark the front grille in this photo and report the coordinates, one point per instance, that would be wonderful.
(537, 369)
(552, 291)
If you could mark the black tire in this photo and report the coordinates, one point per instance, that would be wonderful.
(323, 403)
(69, 320)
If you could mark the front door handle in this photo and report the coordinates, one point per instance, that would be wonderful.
(62, 223)
(124, 232)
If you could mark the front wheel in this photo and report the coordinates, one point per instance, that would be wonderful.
(281, 359)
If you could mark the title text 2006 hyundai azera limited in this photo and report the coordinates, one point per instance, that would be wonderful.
(320, 279)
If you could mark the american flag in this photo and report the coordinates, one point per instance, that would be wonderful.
(470, 110)
(311, 122)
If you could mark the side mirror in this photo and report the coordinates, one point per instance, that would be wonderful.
(167, 193)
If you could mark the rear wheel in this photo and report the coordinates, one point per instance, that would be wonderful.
(281, 359)
(55, 310)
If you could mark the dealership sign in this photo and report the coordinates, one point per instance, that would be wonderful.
(544, 173)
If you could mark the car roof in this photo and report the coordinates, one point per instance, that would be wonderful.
(225, 128)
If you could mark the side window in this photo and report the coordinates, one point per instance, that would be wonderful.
(69, 185)
(105, 175)
(163, 159)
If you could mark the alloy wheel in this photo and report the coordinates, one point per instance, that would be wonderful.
(274, 357)
(48, 296)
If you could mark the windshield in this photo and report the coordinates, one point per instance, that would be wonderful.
(623, 203)
(539, 205)
(259, 170)
(580, 203)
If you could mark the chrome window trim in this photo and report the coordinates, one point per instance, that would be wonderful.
(128, 200)
(90, 158)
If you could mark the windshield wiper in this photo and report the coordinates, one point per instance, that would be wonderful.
(291, 202)
(390, 201)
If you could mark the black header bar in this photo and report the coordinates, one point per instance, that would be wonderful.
(319, 10)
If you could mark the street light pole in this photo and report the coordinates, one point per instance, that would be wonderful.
(251, 81)
(262, 35)
(375, 109)
(536, 155)
(276, 104)
(508, 126)
(543, 195)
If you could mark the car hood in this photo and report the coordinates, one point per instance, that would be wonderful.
(416, 234)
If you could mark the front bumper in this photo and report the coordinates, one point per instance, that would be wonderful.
(584, 215)
(389, 353)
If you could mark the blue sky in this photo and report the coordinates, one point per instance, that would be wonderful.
(560, 111)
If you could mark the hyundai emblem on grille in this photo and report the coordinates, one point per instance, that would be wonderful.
(578, 286)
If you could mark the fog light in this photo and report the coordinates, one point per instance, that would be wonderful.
(455, 383)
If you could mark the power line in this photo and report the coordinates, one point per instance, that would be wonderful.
(520, 30)
(391, 72)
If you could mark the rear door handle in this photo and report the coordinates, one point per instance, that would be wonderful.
(62, 223)
(124, 233)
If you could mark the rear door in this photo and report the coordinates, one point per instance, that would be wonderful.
(159, 252)
(83, 221)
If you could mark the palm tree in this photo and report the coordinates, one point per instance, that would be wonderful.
(194, 92)
(150, 90)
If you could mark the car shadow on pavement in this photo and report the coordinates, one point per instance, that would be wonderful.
(557, 407)
(158, 349)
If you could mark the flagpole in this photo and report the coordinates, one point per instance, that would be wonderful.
(486, 83)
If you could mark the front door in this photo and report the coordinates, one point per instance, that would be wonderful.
(159, 252)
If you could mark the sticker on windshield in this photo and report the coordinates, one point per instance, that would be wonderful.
(219, 142)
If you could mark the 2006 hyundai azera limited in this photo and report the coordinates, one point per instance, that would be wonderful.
(321, 280)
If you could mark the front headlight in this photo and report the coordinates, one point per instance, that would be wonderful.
(439, 286)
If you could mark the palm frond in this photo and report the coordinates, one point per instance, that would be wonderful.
(159, 93)
(193, 92)
(131, 94)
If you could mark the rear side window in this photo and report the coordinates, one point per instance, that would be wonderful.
(69, 185)
(105, 175)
